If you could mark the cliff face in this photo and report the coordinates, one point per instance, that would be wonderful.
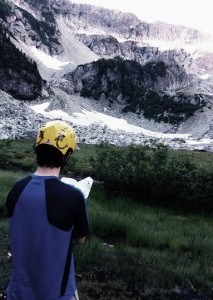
(30, 26)
(82, 17)
(19, 76)
(79, 36)
(156, 75)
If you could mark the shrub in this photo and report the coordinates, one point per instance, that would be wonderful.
(152, 175)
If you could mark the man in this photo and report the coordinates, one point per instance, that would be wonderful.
(43, 214)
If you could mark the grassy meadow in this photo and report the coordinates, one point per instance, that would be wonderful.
(136, 250)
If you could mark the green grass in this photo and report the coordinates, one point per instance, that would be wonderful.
(176, 245)
(7, 178)
(203, 159)
(133, 248)
(132, 242)
(19, 155)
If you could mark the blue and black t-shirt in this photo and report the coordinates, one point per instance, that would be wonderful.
(43, 213)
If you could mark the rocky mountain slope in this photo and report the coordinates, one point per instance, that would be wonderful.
(76, 55)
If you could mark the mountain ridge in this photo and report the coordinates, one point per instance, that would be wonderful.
(77, 34)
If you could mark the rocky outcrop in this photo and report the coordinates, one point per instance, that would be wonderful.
(83, 17)
(109, 47)
(150, 81)
(17, 120)
(34, 29)
(37, 24)
(139, 89)
(19, 76)
(111, 76)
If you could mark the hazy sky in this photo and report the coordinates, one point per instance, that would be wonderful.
(192, 13)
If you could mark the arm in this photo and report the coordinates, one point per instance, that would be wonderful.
(81, 225)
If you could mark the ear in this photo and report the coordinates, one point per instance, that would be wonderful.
(67, 156)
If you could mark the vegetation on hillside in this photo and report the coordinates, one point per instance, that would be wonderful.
(126, 78)
(17, 69)
(45, 31)
(5, 10)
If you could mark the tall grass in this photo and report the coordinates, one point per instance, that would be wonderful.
(7, 178)
(130, 241)
(157, 240)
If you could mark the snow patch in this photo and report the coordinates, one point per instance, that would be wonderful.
(86, 118)
(204, 76)
(47, 60)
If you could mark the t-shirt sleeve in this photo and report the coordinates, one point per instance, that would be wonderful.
(81, 224)
(14, 194)
(66, 207)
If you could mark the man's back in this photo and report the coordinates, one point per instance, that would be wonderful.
(43, 212)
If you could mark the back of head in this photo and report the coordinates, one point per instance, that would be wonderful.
(55, 141)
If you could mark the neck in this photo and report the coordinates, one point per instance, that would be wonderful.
(43, 171)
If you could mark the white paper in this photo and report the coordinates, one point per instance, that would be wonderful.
(84, 185)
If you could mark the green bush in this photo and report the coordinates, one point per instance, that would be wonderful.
(152, 175)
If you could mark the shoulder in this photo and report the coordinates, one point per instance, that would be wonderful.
(60, 186)
(64, 204)
(20, 184)
(58, 189)
(15, 192)
(23, 181)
